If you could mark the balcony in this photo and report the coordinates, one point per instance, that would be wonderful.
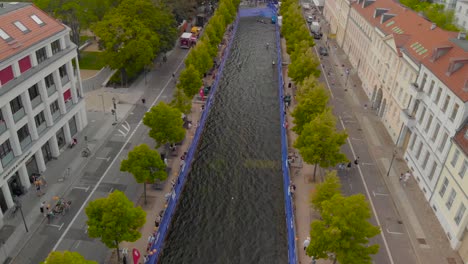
(25, 142)
(36, 101)
(19, 114)
(7, 159)
(416, 91)
(41, 128)
(51, 90)
(55, 115)
(69, 104)
(408, 118)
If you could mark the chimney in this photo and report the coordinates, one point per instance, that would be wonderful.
(433, 26)
(461, 35)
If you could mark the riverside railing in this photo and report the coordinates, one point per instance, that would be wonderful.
(289, 208)
(177, 190)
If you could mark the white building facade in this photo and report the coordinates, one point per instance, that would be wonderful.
(41, 99)
(461, 14)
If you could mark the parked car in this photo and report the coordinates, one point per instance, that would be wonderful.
(310, 19)
(317, 35)
(323, 51)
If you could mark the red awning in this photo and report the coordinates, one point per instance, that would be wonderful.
(67, 95)
(6, 75)
(24, 64)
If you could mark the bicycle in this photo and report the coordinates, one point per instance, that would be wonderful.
(86, 152)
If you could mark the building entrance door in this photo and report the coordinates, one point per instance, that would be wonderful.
(3, 204)
(46, 152)
(16, 188)
(31, 167)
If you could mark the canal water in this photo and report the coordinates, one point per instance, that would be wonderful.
(232, 207)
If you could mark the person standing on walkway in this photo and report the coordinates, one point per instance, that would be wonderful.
(42, 208)
(356, 161)
(306, 243)
(173, 76)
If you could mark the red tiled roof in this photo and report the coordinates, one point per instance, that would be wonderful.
(419, 40)
(22, 40)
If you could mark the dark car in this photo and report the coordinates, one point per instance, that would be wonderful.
(323, 51)
(317, 35)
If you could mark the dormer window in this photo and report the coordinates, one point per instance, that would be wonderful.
(21, 27)
(455, 65)
(5, 36)
(37, 20)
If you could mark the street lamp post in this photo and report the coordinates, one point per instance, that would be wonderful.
(391, 162)
(18, 206)
(114, 110)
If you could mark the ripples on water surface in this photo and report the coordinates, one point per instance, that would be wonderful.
(232, 209)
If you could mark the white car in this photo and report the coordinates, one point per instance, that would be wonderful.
(310, 19)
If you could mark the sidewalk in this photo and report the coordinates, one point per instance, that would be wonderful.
(427, 236)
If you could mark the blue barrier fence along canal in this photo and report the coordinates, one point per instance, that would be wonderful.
(232, 208)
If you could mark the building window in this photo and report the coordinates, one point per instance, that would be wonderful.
(436, 132)
(55, 46)
(16, 104)
(55, 110)
(433, 169)
(423, 82)
(454, 112)
(443, 188)
(63, 74)
(443, 142)
(413, 142)
(6, 153)
(3, 126)
(426, 158)
(40, 119)
(437, 98)
(431, 88)
(421, 117)
(446, 103)
(5, 36)
(418, 153)
(429, 122)
(450, 199)
(460, 214)
(455, 158)
(49, 80)
(33, 92)
(37, 20)
(21, 27)
(463, 169)
(24, 136)
(41, 55)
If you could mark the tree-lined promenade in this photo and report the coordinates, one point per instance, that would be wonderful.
(343, 231)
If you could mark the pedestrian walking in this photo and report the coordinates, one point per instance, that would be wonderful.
(157, 221)
(365, 106)
(143, 100)
(164, 58)
(38, 188)
(306, 243)
(349, 165)
(356, 161)
(42, 208)
(173, 75)
(289, 85)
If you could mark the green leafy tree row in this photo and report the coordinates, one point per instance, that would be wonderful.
(344, 229)
(66, 257)
(114, 219)
(134, 33)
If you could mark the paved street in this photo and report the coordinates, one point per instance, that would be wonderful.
(100, 175)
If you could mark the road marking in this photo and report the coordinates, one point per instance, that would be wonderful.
(78, 244)
(110, 191)
(101, 158)
(58, 226)
(379, 194)
(367, 164)
(349, 121)
(81, 188)
(384, 239)
(113, 161)
(394, 233)
(357, 139)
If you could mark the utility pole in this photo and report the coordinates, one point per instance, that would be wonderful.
(114, 111)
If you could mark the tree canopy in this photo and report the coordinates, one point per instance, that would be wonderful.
(66, 257)
(114, 219)
(325, 190)
(344, 231)
(190, 81)
(312, 100)
(145, 165)
(320, 143)
(165, 123)
(181, 101)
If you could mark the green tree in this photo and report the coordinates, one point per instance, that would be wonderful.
(165, 123)
(344, 231)
(114, 219)
(200, 58)
(312, 101)
(303, 67)
(181, 101)
(320, 143)
(66, 257)
(325, 190)
(73, 13)
(145, 165)
(190, 81)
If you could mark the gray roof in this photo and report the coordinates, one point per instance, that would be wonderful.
(7, 7)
